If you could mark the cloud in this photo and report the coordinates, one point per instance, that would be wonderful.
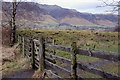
(92, 8)
(66, 3)
(79, 5)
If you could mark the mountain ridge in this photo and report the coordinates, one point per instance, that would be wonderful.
(53, 14)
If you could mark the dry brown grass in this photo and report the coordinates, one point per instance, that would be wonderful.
(40, 74)
(6, 31)
(37, 74)
(13, 62)
(9, 53)
(7, 56)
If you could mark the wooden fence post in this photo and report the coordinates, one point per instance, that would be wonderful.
(53, 43)
(23, 45)
(42, 55)
(73, 61)
(18, 39)
(21, 40)
(33, 53)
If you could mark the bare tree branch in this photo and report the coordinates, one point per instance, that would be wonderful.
(116, 8)
(10, 12)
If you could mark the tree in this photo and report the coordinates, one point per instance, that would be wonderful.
(116, 8)
(10, 13)
(118, 27)
(14, 5)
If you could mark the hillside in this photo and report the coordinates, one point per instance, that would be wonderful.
(30, 13)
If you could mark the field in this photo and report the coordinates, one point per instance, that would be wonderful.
(97, 41)
(107, 41)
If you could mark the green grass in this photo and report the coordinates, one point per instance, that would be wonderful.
(107, 41)
(111, 68)
(100, 40)
(11, 68)
(91, 26)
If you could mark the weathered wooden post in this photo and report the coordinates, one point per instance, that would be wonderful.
(33, 53)
(18, 39)
(21, 40)
(73, 61)
(42, 54)
(23, 45)
(53, 43)
(30, 48)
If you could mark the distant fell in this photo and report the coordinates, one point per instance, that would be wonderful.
(53, 14)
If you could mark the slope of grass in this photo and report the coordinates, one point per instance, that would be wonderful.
(107, 41)
(100, 40)
(112, 68)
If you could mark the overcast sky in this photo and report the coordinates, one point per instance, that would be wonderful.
(89, 6)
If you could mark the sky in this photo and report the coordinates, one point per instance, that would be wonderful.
(87, 6)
